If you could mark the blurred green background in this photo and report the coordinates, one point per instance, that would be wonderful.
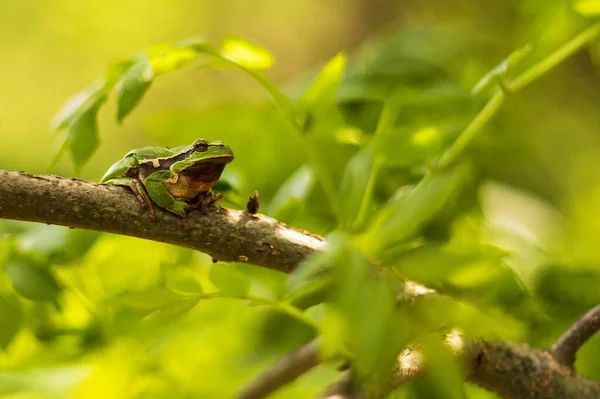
(53, 49)
(93, 315)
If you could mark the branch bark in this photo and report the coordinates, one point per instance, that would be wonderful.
(569, 343)
(225, 234)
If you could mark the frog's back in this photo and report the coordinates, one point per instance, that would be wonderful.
(150, 153)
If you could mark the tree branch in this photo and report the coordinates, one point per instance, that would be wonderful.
(225, 234)
(511, 370)
(569, 343)
(515, 370)
(286, 370)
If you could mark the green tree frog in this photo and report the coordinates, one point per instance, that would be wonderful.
(175, 179)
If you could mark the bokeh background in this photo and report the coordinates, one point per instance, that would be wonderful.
(540, 157)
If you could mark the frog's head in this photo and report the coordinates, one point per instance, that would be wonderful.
(214, 152)
(202, 156)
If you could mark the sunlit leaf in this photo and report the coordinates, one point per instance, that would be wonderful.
(172, 59)
(403, 217)
(245, 53)
(43, 382)
(351, 135)
(321, 94)
(588, 8)
(133, 85)
(32, 280)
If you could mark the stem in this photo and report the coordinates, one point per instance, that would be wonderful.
(492, 106)
(386, 119)
(555, 58)
(465, 138)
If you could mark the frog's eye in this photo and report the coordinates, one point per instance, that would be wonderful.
(200, 146)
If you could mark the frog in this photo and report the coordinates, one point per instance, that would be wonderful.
(176, 179)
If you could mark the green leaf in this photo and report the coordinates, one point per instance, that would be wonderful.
(402, 217)
(150, 299)
(11, 317)
(181, 279)
(171, 311)
(229, 279)
(56, 243)
(495, 76)
(83, 137)
(322, 91)
(312, 293)
(357, 177)
(318, 263)
(567, 291)
(133, 85)
(360, 175)
(32, 280)
(168, 58)
(246, 54)
(321, 94)
(295, 189)
(445, 374)
(116, 70)
(404, 148)
(78, 104)
(366, 297)
(432, 263)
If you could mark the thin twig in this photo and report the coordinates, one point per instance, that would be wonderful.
(286, 370)
(568, 344)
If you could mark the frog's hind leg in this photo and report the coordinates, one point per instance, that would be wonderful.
(138, 189)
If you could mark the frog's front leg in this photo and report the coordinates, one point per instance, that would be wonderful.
(138, 189)
(161, 196)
